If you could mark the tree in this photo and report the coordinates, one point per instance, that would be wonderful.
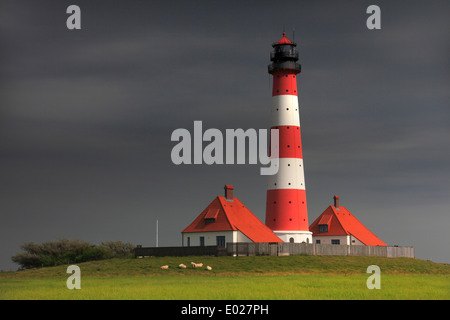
(66, 251)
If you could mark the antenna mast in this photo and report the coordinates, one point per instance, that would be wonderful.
(157, 233)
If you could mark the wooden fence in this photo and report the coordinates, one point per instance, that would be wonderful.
(178, 251)
(283, 249)
(277, 249)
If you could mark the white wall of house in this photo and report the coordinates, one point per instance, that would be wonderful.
(345, 239)
(355, 241)
(240, 237)
(192, 239)
(329, 239)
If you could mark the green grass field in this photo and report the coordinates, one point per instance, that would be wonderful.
(234, 278)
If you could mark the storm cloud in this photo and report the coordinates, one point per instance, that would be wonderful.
(86, 115)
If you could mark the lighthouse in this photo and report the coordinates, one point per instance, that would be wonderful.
(286, 210)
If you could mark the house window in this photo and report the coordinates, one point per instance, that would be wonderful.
(335, 241)
(188, 241)
(202, 241)
(291, 240)
(220, 241)
(323, 228)
(317, 241)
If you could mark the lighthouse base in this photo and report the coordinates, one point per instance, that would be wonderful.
(294, 236)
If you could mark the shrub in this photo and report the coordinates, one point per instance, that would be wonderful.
(66, 251)
(118, 248)
(27, 260)
(93, 253)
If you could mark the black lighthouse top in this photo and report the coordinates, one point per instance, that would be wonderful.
(284, 57)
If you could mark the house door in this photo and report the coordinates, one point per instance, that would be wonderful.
(220, 241)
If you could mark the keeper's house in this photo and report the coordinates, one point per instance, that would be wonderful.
(225, 220)
(337, 225)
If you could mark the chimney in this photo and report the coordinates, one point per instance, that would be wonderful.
(336, 202)
(229, 192)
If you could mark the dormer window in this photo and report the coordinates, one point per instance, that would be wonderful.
(323, 228)
(211, 215)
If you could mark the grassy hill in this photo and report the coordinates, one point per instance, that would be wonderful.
(256, 265)
(262, 277)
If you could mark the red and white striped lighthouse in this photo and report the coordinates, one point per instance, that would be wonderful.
(286, 212)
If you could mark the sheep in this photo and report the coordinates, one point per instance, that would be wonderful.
(196, 265)
(208, 268)
(182, 266)
(165, 267)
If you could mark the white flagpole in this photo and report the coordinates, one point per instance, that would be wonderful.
(157, 233)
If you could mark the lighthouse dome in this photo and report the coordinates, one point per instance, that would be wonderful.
(284, 56)
(284, 40)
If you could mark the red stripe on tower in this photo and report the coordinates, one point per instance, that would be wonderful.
(284, 84)
(286, 210)
(290, 145)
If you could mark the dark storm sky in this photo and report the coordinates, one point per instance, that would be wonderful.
(86, 115)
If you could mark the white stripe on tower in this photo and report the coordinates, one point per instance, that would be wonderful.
(285, 111)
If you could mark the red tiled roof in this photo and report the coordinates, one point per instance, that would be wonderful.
(212, 213)
(325, 219)
(284, 40)
(343, 222)
(231, 216)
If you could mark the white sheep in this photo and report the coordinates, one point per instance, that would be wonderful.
(208, 268)
(182, 266)
(165, 267)
(196, 265)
